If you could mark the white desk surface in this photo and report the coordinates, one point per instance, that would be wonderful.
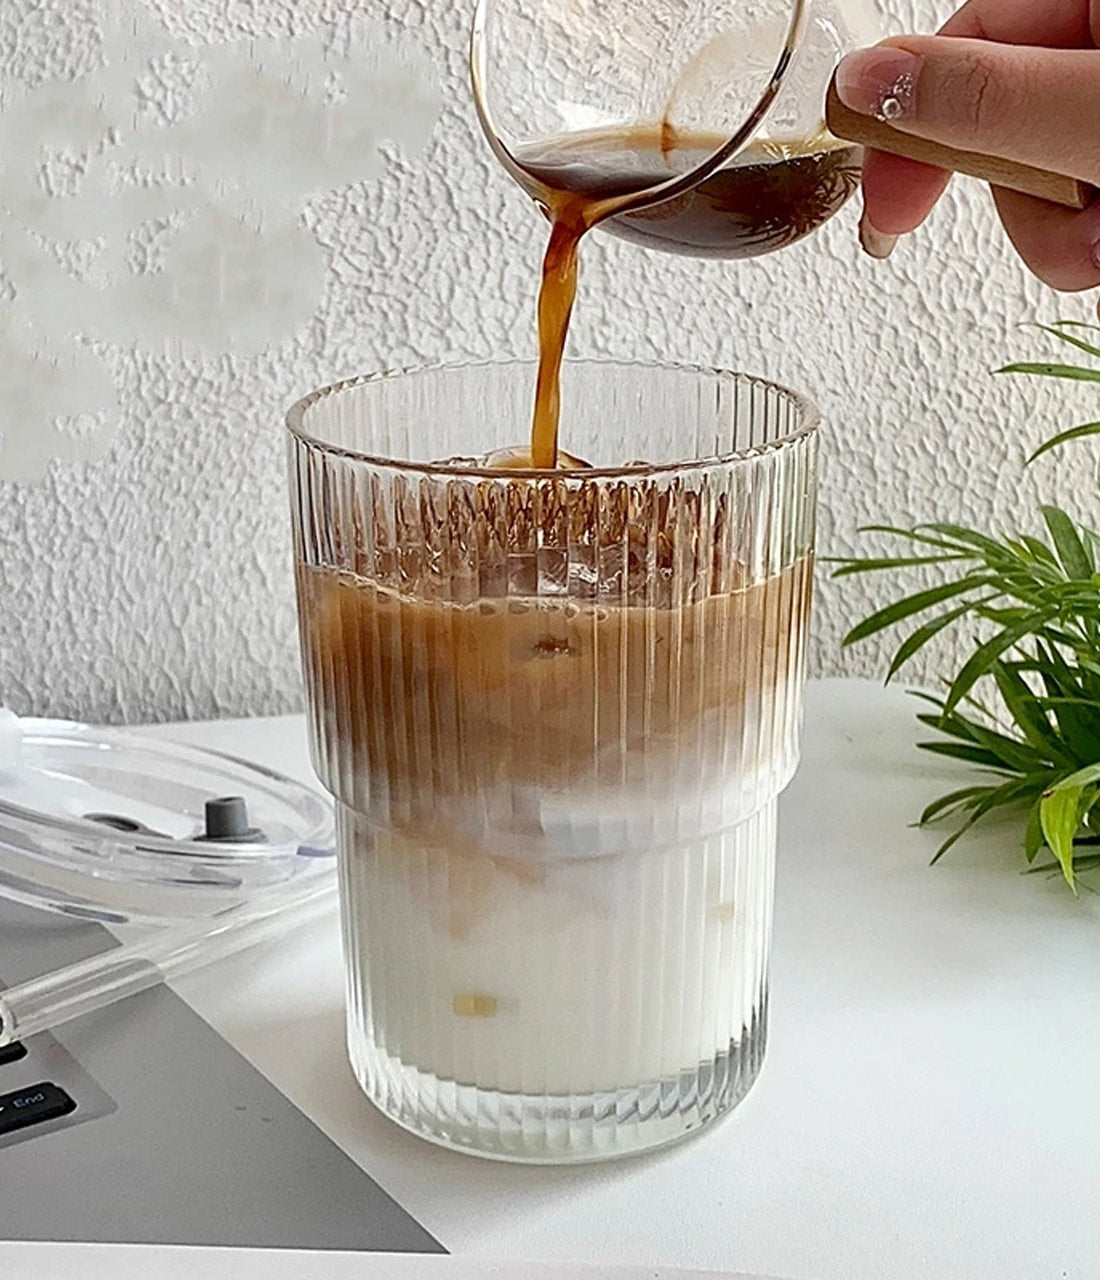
(930, 1102)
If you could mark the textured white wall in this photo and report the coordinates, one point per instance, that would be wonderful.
(155, 583)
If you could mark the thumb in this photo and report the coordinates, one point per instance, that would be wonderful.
(1035, 106)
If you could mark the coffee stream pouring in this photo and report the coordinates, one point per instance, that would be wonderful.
(691, 127)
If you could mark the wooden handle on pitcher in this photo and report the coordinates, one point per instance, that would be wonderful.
(851, 126)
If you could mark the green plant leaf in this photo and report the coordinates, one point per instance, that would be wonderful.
(965, 797)
(987, 545)
(987, 654)
(849, 567)
(914, 643)
(1027, 711)
(953, 723)
(1010, 753)
(1054, 371)
(1078, 725)
(1022, 551)
(1060, 818)
(1076, 561)
(971, 753)
(1039, 550)
(915, 535)
(1078, 781)
(1077, 324)
(958, 728)
(996, 798)
(1059, 331)
(1013, 755)
(918, 603)
(1033, 835)
(1002, 617)
(1066, 437)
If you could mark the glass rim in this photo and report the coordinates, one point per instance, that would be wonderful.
(295, 424)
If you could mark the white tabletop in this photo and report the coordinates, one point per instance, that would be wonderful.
(930, 1101)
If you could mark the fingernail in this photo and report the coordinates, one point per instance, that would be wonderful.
(879, 82)
(875, 242)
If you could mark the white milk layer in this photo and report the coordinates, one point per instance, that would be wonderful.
(569, 976)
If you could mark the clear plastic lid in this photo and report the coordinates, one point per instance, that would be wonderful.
(110, 825)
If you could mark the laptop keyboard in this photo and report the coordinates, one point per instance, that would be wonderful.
(32, 1105)
(43, 1089)
(12, 1053)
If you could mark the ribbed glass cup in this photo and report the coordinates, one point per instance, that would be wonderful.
(555, 710)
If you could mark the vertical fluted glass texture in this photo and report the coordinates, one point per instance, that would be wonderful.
(555, 711)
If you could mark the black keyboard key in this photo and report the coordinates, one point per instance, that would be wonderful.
(33, 1105)
(12, 1053)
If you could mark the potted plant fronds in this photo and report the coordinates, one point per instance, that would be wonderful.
(1024, 708)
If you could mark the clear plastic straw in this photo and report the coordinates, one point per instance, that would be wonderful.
(57, 998)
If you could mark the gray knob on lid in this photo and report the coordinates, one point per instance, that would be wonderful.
(227, 821)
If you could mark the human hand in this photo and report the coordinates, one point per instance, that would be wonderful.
(1019, 79)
